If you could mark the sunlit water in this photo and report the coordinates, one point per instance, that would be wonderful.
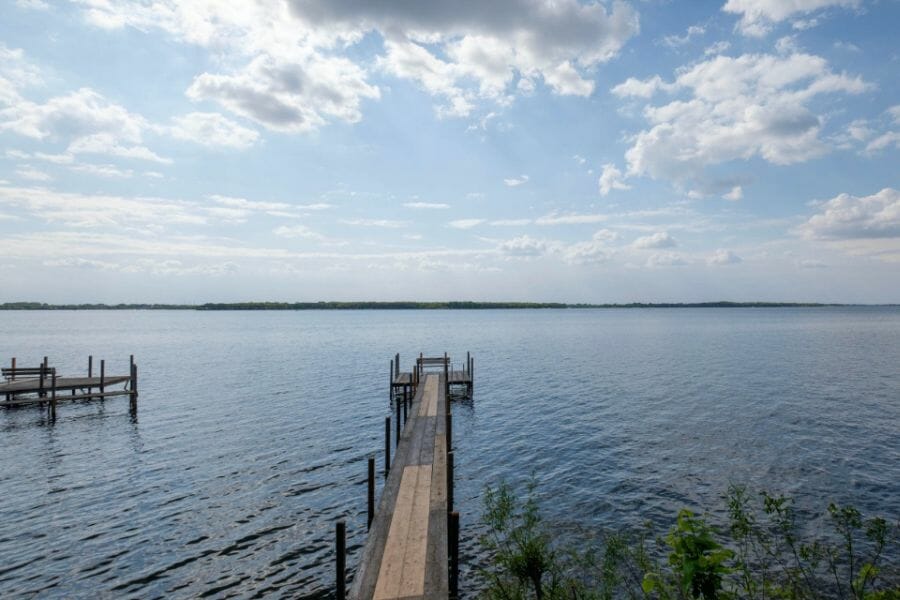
(253, 430)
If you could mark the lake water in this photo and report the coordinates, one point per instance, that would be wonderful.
(253, 430)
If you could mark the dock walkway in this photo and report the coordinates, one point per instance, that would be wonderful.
(406, 552)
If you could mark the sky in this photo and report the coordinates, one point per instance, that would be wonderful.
(512, 150)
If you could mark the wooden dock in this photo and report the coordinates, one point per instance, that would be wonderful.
(412, 547)
(41, 385)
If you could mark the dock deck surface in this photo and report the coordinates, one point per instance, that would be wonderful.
(405, 555)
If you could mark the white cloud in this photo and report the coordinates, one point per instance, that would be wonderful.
(660, 239)
(717, 48)
(894, 111)
(249, 205)
(605, 235)
(87, 121)
(666, 259)
(587, 253)
(641, 88)
(852, 217)
(674, 41)
(566, 81)
(107, 144)
(31, 174)
(386, 223)
(759, 16)
(611, 179)
(736, 193)
(812, 263)
(297, 231)
(103, 170)
(465, 223)
(510, 222)
(212, 129)
(516, 181)
(723, 257)
(289, 95)
(94, 211)
(848, 46)
(426, 205)
(885, 140)
(579, 159)
(570, 219)
(33, 4)
(16, 73)
(295, 79)
(736, 109)
(524, 247)
(72, 116)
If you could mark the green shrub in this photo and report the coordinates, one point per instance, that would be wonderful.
(758, 555)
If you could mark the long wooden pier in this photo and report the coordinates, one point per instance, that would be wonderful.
(411, 551)
(41, 385)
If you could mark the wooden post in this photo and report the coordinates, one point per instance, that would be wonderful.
(449, 427)
(446, 383)
(102, 375)
(371, 498)
(453, 539)
(340, 547)
(90, 366)
(134, 383)
(387, 446)
(468, 361)
(13, 365)
(450, 482)
(405, 403)
(41, 383)
(398, 421)
(53, 397)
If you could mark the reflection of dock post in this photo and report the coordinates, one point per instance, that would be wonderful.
(340, 543)
(453, 539)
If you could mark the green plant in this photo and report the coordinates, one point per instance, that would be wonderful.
(760, 555)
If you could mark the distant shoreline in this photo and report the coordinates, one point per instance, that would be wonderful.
(402, 305)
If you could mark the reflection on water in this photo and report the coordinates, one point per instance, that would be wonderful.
(253, 431)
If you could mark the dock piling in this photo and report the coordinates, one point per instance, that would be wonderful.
(53, 397)
(91, 365)
(449, 426)
(340, 544)
(102, 376)
(450, 481)
(13, 365)
(387, 446)
(134, 386)
(371, 495)
(405, 404)
(398, 421)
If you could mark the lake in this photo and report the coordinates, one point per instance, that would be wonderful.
(253, 430)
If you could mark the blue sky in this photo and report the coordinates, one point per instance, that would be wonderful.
(510, 150)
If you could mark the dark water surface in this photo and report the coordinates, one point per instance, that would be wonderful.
(254, 427)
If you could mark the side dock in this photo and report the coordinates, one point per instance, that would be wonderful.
(42, 385)
(412, 547)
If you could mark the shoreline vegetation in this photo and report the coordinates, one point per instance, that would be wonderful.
(411, 305)
(766, 549)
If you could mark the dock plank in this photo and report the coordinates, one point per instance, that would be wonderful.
(405, 555)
